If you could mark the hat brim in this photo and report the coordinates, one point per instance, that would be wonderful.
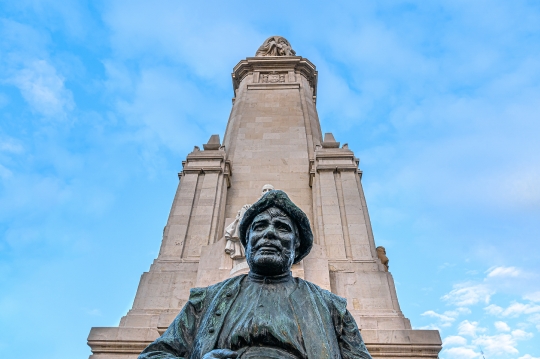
(279, 199)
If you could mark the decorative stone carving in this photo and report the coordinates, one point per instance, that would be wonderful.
(381, 253)
(233, 247)
(275, 46)
(273, 77)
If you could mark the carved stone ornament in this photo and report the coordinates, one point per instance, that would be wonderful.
(273, 77)
(275, 46)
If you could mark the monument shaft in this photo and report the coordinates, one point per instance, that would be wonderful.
(273, 136)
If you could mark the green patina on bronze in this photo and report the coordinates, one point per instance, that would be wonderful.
(279, 199)
(266, 314)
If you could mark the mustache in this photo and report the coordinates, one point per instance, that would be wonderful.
(264, 242)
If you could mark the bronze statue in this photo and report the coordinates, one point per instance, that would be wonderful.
(266, 314)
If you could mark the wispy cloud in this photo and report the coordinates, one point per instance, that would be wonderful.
(513, 310)
(470, 328)
(43, 88)
(533, 297)
(454, 340)
(502, 326)
(503, 272)
(502, 343)
(466, 294)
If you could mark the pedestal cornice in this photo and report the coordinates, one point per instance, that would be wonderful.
(333, 159)
(296, 64)
(207, 161)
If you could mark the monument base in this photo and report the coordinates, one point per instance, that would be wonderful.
(128, 343)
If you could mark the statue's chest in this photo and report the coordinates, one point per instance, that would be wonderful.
(262, 315)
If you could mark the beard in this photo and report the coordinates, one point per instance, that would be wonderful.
(269, 262)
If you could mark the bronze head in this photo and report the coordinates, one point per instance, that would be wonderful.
(275, 233)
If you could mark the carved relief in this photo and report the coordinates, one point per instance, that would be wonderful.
(273, 77)
(275, 46)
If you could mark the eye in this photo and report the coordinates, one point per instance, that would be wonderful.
(259, 226)
(282, 227)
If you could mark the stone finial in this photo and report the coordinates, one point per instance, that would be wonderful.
(329, 141)
(275, 46)
(213, 143)
(381, 254)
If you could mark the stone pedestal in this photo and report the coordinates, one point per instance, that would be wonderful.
(273, 136)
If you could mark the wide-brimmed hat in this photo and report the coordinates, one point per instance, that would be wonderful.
(279, 199)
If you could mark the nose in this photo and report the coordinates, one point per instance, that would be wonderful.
(270, 232)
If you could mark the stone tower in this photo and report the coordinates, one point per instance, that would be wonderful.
(273, 137)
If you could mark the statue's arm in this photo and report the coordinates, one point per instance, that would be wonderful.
(177, 341)
(350, 341)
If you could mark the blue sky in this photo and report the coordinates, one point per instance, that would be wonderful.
(101, 101)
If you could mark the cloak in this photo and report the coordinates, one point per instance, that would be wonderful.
(328, 329)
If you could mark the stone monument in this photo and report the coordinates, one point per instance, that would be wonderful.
(273, 136)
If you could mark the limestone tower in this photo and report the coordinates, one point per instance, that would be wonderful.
(273, 137)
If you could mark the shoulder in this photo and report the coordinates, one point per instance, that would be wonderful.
(198, 295)
(332, 300)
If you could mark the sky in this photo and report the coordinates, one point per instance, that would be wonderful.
(101, 101)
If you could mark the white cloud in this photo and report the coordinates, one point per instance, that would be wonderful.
(470, 328)
(533, 297)
(458, 311)
(497, 344)
(528, 356)
(494, 309)
(502, 326)
(454, 340)
(445, 319)
(535, 319)
(466, 294)
(501, 343)
(503, 272)
(514, 310)
(519, 334)
(43, 88)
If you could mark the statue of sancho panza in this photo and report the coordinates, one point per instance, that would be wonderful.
(266, 313)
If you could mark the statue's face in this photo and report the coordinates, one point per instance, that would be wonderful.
(266, 188)
(272, 243)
